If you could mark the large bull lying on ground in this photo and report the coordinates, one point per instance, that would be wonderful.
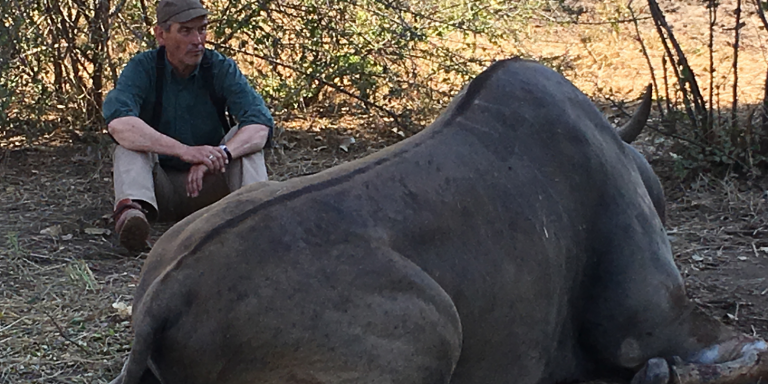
(513, 241)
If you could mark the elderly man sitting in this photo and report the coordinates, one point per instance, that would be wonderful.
(171, 114)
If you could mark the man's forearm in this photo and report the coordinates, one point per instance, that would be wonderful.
(248, 139)
(134, 134)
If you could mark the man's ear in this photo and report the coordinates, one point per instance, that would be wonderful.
(159, 35)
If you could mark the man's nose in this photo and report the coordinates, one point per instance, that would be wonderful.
(198, 37)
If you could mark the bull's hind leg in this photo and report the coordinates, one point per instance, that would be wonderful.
(341, 314)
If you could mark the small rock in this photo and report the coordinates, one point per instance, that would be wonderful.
(53, 231)
(98, 231)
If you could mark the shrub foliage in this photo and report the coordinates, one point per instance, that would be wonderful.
(398, 58)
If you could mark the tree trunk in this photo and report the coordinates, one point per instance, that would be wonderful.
(99, 36)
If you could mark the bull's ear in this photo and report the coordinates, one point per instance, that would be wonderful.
(629, 131)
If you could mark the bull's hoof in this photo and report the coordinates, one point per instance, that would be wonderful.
(655, 371)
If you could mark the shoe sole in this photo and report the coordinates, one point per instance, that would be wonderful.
(134, 234)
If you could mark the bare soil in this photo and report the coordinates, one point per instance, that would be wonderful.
(65, 284)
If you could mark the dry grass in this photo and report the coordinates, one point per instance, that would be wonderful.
(606, 60)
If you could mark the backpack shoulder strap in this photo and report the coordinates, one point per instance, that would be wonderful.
(157, 110)
(219, 101)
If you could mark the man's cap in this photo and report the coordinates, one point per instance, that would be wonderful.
(179, 11)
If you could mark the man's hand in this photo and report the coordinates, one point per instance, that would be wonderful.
(195, 179)
(213, 158)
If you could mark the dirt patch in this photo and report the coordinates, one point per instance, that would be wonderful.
(719, 233)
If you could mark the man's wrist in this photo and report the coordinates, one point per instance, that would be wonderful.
(226, 150)
(180, 149)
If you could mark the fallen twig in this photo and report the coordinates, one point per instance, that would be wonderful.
(61, 332)
(9, 326)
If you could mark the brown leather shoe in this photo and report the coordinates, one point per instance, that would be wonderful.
(131, 225)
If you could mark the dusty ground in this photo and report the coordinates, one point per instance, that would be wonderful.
(64, 283)
(718, 230)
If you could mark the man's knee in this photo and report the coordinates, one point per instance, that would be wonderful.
(254, 168)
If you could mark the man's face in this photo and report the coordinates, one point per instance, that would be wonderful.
(184, 43)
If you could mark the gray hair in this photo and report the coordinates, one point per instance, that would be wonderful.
(166, 26)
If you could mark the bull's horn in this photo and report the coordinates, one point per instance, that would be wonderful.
(635, 125)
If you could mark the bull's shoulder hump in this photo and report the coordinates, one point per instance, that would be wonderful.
(512, 77)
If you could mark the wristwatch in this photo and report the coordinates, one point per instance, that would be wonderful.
(226, 150)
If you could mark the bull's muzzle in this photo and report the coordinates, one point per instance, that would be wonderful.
(749, 368)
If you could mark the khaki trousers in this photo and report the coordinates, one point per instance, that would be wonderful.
(138, 176)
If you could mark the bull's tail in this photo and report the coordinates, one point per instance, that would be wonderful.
(148, 326)
(138, 360)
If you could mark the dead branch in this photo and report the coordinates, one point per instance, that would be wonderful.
(633, 19)
(764, 114)
(117, 9)
(657, 16)
(145, 14)
(712, 8)
(736, 41)
(63, 334)
(684, 74)
(647, 59)
(666, 81)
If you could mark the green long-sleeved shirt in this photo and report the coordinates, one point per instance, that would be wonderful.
(188, 114)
